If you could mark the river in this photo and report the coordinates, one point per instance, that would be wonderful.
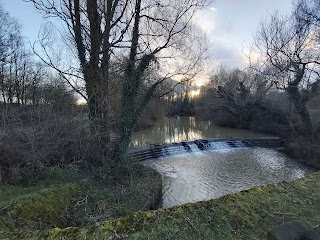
(204, 175)
(169, 130)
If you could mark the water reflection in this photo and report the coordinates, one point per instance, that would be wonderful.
(169, 130)
(211, 174)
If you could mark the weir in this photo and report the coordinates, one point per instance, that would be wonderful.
(210, 144)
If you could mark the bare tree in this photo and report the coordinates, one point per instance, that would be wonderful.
(10, 44)
(235, 91)
(10, 37)
(143, 31)
(291, 54)
(20, 74)
(307, 12)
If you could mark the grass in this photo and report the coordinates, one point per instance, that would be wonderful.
(13, 194)
(245, 215)
(68, 199)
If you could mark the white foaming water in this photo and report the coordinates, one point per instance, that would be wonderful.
(218, 145)
(173, 150)
(193, 147)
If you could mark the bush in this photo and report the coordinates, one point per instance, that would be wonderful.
(38, 137)
(305, 150)
(10, 164)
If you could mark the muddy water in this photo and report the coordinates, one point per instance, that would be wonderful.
(210, 174)
(169, 130)
(203, 175)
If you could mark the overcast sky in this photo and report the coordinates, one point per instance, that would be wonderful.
(230, 24)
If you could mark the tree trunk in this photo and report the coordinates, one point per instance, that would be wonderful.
(98, 110)
(130, 92)
(132, 107)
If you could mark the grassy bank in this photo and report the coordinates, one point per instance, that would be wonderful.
(245, 215)
(69, 198)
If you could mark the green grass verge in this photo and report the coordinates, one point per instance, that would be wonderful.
(245, 215)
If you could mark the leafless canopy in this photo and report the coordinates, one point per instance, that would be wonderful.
(142, 33)
(290, 49)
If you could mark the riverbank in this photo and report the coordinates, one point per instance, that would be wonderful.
(298, 145)
(67, 198)
(305, 150)
(245, 215)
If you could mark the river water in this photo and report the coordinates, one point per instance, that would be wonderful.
(169, 130)
(204, 175)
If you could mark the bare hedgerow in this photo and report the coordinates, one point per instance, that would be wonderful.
(36, 137)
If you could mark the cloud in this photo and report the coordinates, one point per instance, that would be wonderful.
(219, 30)
(205, 19)
(224, 52)
(226, 27)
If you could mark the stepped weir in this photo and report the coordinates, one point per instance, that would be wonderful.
(211, 144)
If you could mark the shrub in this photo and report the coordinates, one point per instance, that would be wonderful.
(305, 150)
(39, 137)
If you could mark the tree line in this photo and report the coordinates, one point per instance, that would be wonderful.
(281, 81)
(23, 79)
